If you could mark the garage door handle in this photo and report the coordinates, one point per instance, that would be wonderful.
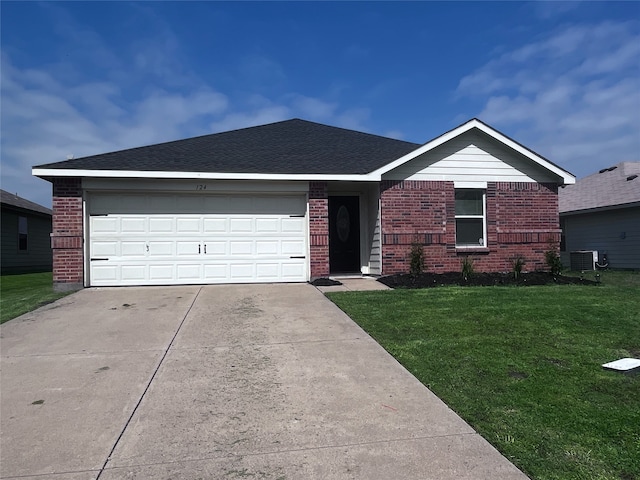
(297, 216)
(99, 259)
(205, 248)
(198, 249)
(298, 256)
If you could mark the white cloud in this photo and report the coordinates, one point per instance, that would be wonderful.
(44, 121)
(571, 95)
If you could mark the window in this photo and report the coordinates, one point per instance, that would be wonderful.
(470, 218)
(22, 234)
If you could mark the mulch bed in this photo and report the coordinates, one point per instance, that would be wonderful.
(325, 282)
(426, 280)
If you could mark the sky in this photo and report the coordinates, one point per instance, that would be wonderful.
(82, 78)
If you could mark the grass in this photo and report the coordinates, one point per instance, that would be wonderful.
(522, 365)
(20, 294)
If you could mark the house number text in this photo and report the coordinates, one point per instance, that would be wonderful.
(201, 187)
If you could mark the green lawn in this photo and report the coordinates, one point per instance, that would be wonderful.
(523, 366)
(22, 293)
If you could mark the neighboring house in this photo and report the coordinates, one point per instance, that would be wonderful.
(296, 200)
(26, 230)
(601, 213)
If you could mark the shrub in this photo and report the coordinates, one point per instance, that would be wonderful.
(467, 268)
(416, 259)
(552, 259)
(517, 263)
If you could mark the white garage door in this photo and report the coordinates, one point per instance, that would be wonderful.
(163, 239)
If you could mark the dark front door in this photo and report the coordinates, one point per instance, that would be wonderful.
(344, 234)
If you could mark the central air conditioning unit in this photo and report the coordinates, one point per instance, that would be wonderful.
(584, 260)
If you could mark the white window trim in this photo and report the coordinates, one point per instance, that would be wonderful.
(484, 222)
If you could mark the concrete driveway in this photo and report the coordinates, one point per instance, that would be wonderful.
(251, 381)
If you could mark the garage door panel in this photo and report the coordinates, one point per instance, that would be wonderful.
(133, 249)
(107, 248)
(291, 271)
(187, 248)
(215, 248)
(133, 224)
(189, 271)
(295, 247)
(240, 225)
(215, 225)
(188, 225)
(161, 249)
(161, 225)
(163, 239)
(161, 272)
(219, 272)
(267, 225)
(293, 225)
(108, 225)
(135, 273)
(267, 271)
(104, 273)
(267, 247)
(242, 271)
(237, 247)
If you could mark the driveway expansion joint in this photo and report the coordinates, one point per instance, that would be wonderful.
(292, 450)
(153, 376)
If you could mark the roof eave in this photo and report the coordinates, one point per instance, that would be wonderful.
(565, 177)
(59, 172)
(600, 209)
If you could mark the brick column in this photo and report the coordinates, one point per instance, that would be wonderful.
(319, 229)
(67, 235)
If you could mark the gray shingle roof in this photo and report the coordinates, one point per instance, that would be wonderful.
(610, 186)
(288, 147)
(13, 200)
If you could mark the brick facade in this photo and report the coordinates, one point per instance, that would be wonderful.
(521, 220)
(319, 229)
(67, 235)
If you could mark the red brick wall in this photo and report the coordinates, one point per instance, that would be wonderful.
(521, 218)
(66, 238)
(319, 229)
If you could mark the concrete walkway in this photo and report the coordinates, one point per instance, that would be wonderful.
(252, 381)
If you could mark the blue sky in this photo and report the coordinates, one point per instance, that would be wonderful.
(81, 78)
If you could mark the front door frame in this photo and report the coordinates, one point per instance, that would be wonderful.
(357, 261)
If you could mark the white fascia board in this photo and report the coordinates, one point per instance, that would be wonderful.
(58, 172)
(459, 184)
(566, 177)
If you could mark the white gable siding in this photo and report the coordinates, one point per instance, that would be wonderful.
(471, 157)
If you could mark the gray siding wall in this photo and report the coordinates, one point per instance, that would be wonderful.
(38, 257)
(614, 232)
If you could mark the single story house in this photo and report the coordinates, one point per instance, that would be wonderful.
(601, 213)
(26, 230)
(296, 200)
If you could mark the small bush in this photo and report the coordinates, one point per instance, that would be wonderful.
(517, 264)
(552, 259)
(467, 268)
(416, 259)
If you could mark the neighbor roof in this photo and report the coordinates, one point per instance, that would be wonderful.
(616, 186)
(13, 200)
(289, 147)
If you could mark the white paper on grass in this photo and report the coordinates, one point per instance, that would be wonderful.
(623, 365)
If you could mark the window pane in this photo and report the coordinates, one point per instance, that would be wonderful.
(469, 202)
(469, 232)
(22, 234)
